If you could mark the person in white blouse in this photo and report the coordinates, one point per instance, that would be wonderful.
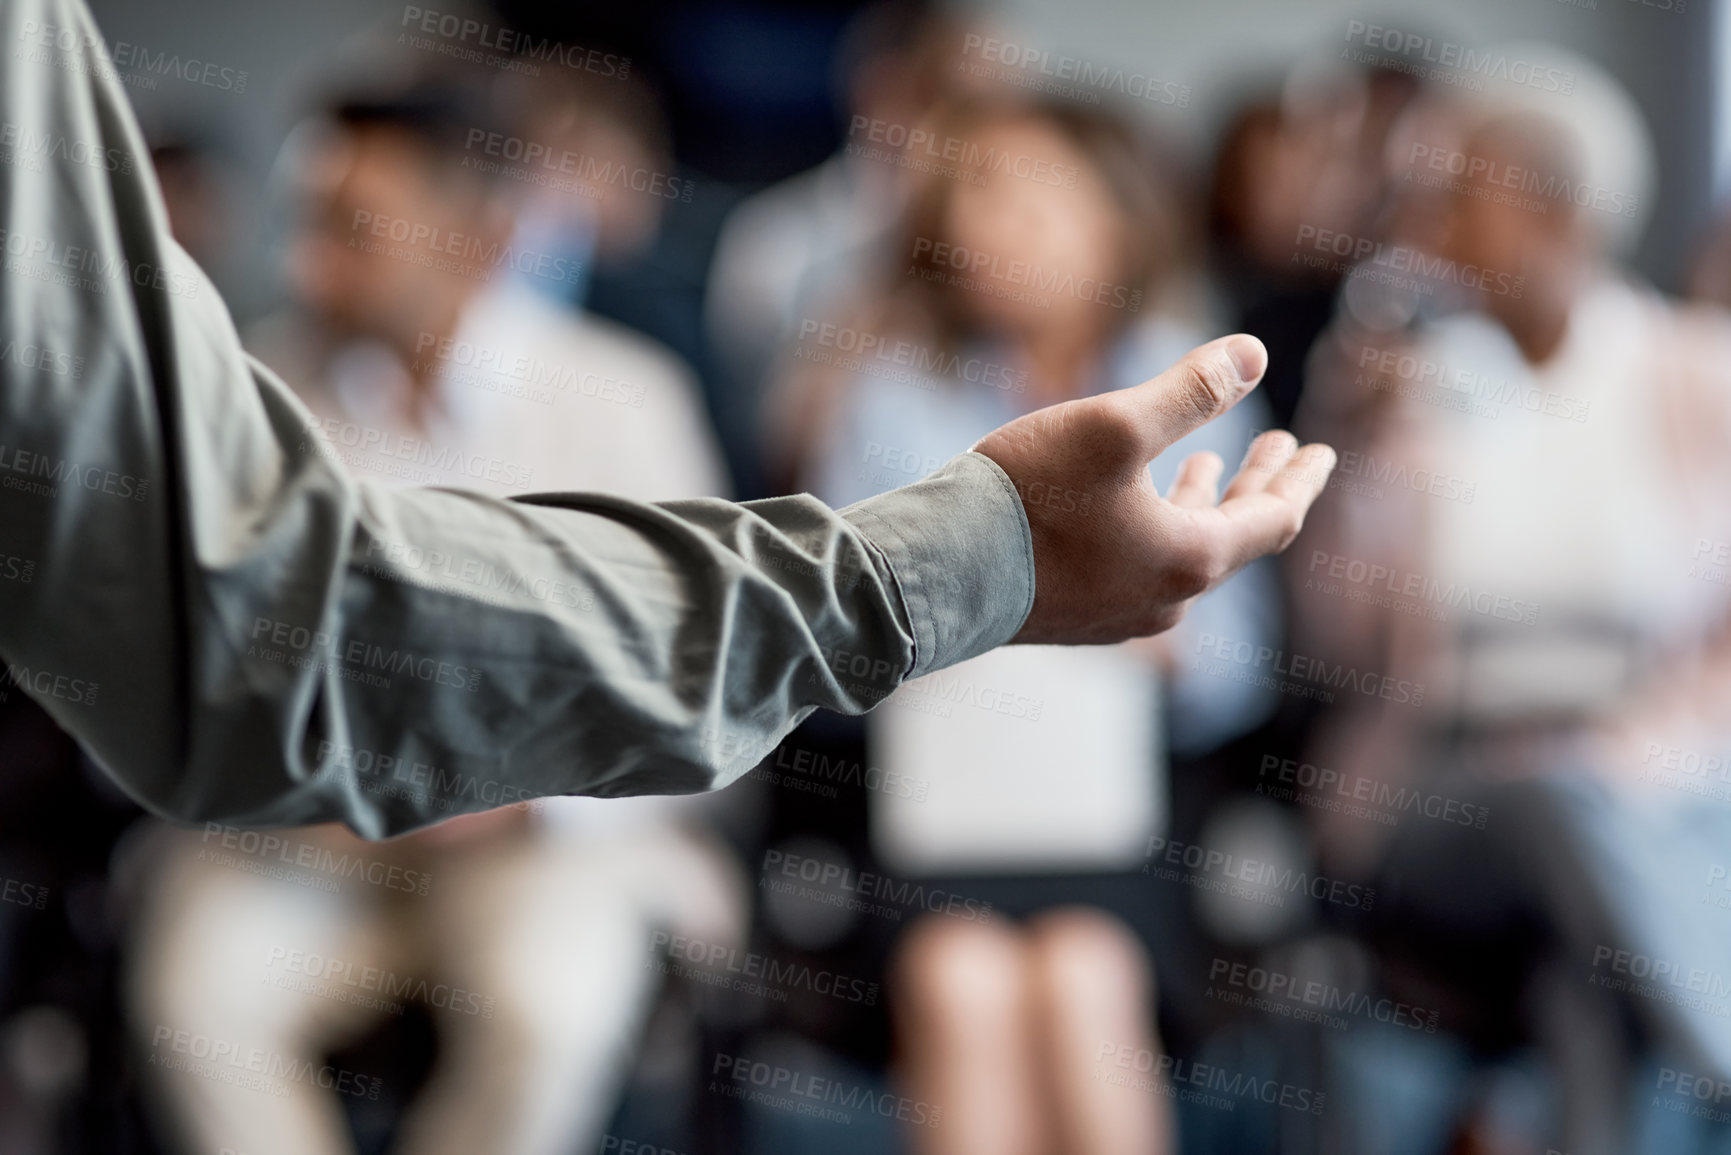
(1560, 617)
(1001, 1019)
(526, 929)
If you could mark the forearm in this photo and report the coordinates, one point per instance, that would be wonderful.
(238, 630)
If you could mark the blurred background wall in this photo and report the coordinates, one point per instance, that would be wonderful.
(775, 59)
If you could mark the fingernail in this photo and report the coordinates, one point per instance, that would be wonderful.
(1248, 357)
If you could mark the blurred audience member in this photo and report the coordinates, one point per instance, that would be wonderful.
(1551, 434)
(526, 929)
(593, 155)
(1021, 285)
(1308, 163)
(820, 236)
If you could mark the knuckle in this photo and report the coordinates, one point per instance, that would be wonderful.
(1292, 522)
(1216, 566)
(1194, 568)
(1208, 386)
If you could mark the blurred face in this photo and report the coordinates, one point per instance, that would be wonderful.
(627, 216)
(1484, 226)
(1076, 232)
(359, 188)
(1311, 168)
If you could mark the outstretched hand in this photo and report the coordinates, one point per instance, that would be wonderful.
(1126, 562)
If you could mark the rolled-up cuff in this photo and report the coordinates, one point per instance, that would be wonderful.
(959, 551)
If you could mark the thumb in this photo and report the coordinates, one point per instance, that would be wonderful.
(1206, 382)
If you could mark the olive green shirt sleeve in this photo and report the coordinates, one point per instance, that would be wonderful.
(238, 630)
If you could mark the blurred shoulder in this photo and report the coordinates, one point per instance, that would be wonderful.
(1702, 329)
(799, 201)
(580, 343)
